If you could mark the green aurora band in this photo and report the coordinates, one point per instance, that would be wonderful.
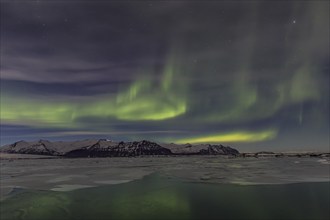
(142, 101)
(145, 100)
(237, 136)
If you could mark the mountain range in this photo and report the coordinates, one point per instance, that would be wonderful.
(108, 148)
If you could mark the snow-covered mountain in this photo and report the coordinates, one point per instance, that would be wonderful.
(107, 148)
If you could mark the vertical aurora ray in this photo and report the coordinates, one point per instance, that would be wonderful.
(144, 100)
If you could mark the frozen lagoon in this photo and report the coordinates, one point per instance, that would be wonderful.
(165, 187)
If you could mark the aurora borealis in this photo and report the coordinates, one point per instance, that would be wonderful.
(250, 74)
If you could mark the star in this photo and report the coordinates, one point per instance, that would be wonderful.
(294, 21)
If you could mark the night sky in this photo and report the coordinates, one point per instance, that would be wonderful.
(250, 74)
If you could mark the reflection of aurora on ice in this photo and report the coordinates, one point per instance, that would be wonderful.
(155, 197)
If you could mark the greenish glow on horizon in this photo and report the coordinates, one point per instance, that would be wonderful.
(238, 136)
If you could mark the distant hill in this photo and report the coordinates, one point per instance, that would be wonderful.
(107, 148)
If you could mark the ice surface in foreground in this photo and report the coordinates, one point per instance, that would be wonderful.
(56, 174)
